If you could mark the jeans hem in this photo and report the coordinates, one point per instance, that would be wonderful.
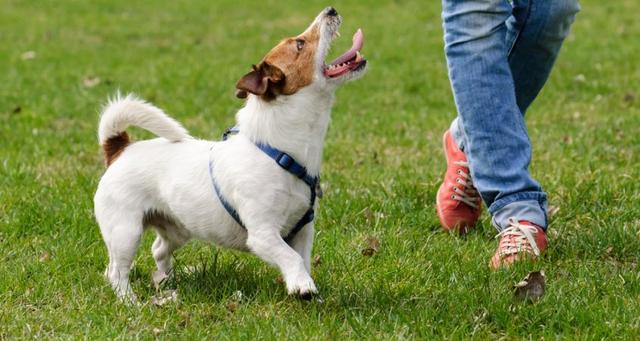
(527, 199)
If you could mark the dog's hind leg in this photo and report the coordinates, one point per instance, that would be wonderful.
(266, 243)
(167, 241)
(303, 244)
(121, 233)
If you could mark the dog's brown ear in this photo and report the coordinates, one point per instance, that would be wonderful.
(263, 80)
(252, 82)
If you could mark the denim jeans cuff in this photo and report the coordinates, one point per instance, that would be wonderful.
(529, 206)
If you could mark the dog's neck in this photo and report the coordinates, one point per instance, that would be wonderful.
(295, 124)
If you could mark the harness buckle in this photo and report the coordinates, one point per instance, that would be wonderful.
(229, 131)
(284, 160)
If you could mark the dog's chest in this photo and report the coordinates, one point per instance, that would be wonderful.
(251, 190)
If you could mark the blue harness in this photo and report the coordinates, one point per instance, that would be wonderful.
(289, 164)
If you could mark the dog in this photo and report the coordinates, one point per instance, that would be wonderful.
(255, 191)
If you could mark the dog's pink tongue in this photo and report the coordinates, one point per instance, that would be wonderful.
(358, 41)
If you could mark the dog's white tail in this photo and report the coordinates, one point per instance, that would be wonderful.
(121, 113)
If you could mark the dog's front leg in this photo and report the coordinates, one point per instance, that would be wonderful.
(303, 244)
(265, 241)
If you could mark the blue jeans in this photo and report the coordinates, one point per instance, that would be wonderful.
(500, 54)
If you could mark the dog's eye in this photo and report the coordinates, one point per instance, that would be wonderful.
(299, 44)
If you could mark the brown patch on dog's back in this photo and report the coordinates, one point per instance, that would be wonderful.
(114, 146)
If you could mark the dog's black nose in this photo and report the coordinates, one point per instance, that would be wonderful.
(332, 11)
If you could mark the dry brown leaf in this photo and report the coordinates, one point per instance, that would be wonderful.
(317, 260)
(45, 256)
(28, 55)
(91, 81)
(368, 215)
(532, 287)
(185, 318)
(629, 97)
(373, 245)
(232, 306)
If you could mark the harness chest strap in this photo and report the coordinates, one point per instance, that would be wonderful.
(289, 164)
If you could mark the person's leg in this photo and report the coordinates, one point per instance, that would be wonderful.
(535, 33)
(490, 127)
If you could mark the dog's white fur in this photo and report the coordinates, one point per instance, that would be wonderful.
(165, 182)
(120, 113)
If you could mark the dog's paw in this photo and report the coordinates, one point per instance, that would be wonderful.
(303, 289)
(158, 278)
(307, 296)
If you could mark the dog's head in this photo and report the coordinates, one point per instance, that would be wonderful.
(298, 62)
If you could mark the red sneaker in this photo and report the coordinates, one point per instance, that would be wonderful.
(458, 202)
(520, 240)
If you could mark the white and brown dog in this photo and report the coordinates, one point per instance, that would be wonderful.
(249, 192)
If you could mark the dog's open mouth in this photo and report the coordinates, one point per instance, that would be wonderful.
(349, 61)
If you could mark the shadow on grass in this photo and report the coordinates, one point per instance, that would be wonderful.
(213, 276)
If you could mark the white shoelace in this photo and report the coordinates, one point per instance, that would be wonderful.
(523, 239)
(470, 195)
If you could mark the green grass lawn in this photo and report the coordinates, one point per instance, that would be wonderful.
(382, 167)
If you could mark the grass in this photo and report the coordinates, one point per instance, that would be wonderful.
(382, 168)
